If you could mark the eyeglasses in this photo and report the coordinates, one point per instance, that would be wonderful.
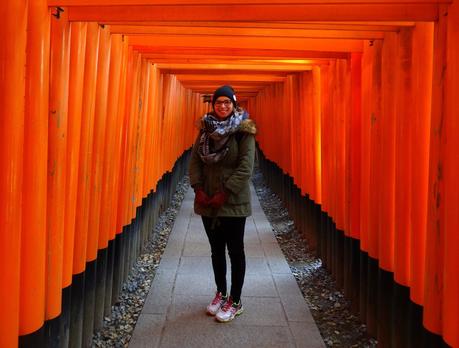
(223, 102)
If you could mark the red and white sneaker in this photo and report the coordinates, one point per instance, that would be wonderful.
(218, 301)
(229, 311)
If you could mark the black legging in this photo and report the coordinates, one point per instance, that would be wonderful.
(227, 231)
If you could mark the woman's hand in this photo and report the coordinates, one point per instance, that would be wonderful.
(218, 199)
(201, 197)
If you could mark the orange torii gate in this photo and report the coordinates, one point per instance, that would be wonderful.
(355, 101)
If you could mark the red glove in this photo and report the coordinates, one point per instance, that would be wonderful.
(218, 199)
(201, 197)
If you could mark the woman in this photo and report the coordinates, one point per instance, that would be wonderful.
(220, 168)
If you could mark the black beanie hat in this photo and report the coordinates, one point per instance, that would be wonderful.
(224, 91)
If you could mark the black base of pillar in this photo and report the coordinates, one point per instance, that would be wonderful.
(76, 311)
(89, 302)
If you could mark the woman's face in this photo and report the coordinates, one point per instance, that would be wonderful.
(223, 107)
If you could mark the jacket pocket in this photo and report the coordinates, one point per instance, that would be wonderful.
(242, 197)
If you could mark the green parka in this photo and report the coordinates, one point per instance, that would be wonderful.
(232, 173)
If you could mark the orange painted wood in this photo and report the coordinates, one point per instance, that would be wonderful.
(57, 162)
(367, 78)
(159, 57)
(254, 12)
(135, 124)
(346, 155)
(230, 78)
(262, 113)
(161, 122)
(330, 127)
(35, 156)
(132, 106)
(179, 68)
(148, 182)
(167, 96)
(120, 142)
(328, 161)
(433, 295)
(304, 120)
(247, 53)
(422, 78)
(139, 165)
(286, 132)
(341, 173)
(333, 128)
(376, 170)
(124, 198)
(12, 91)
(343, 146)
(286, 43)
(292, 126)
(78, 32)
(313, 105)
(122, 185)
(355, 144)
(382, 26)
(451, 251)
(101, 120)
(325, 147)
(188, 120)
(86, 146)
(166, 124)
(316, 190)
(242, 86)
(278, 154)
(235, 63)
(214, 2)
(58, 139)
(111, 147)
(163, 156)
(165, 59)
(234, 32)
(403, 185)
(389, 119)
(312, 132)
(156, 118)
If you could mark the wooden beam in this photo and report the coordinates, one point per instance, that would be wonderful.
(235, 32)
(324, 45)
(239, 93)
(239, 87)
(255, 12)
(232, 70)
(354, 26)
(230, 67)
(229, 2)
(161, 58)
(185, 51)
(229, 77)
(234, 62)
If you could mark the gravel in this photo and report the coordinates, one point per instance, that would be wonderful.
(331, 311)
(118, 328)
(329, 308)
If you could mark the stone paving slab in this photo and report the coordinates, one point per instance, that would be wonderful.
(275, 315)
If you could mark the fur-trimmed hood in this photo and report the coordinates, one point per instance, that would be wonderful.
(248, 126)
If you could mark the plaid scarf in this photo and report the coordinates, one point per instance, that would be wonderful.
(215, 135)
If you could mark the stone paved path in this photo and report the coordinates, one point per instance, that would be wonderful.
(276, 314)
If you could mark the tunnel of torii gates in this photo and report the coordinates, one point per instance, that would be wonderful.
(356, 105)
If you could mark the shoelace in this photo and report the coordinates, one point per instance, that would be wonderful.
(217, 299)
(227, 305)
